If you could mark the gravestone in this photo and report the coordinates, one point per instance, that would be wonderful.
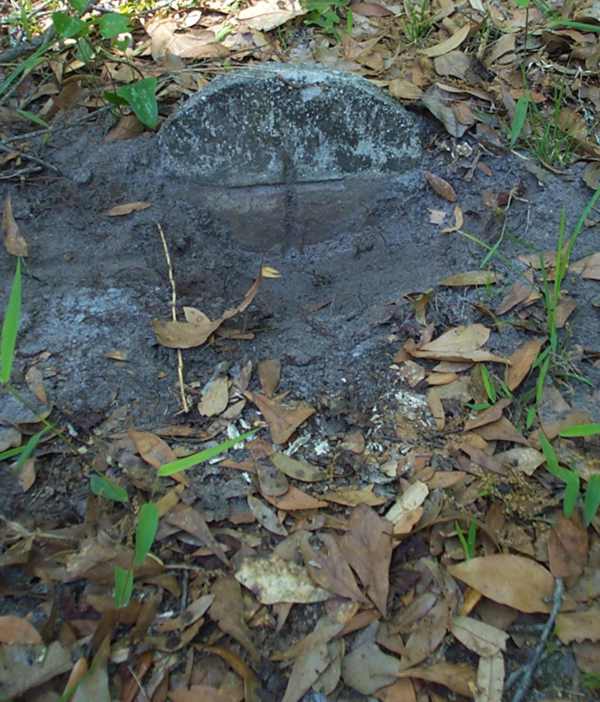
(290, 154)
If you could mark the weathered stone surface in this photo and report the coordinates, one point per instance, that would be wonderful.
(289, 154)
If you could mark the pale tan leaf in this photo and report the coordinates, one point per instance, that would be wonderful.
(483, 639)
(511, 580)
(458, 222)
(471, 278)
(215, 397)
(351, 497)
(459, 339)
(526, 459)
(407, 511)
(404, 90)
(294, 499)
(16, 630)
(269, 372)
(127, 208)
(449, 44)
(265, 15)
(579, 626)
(14, 241)
(227, 610)
(521, 361)
(274, 580)
(490, 678)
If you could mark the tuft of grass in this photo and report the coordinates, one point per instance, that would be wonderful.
(546, 137)
(418, 21)
(468, 541)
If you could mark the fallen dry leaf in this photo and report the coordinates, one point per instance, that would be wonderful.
(269, 373)
(265, 15)
(490, 678)
(227, 610)
(16, 630)
(299, 470)
(479, 637)
(14, 241)
(458, 677)
(127, 208)
(294, 499)
(511, 580)
(283, 419)
(407, 510)
(440, 186)
(351, 497)
(521, 361)
(266, 517)
(449, 44)
(274, 580)
(579, 626)
(471, 278)
(567, 547)
(367, 668)
(198, 327)
(367, 546)
(215, 397)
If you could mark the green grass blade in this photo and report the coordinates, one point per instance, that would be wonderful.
(581, 222)
(30, 447)
(488, 384)
(202, 456)
(147, 524)
(23, 69)
(11, 453)
(569, 477)
(581, 430)
(519, 119)
(592, 499)
(123, 586)
(103, 487)
(10, 327)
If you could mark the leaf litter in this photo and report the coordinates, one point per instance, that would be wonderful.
(380, 554)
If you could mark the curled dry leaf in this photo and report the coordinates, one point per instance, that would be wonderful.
(458, 222)
(198, 327)
(14, 241)
(440, 186)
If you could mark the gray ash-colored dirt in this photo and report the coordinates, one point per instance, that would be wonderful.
(335, 317)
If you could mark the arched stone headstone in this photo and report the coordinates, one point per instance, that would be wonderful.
(287, 154)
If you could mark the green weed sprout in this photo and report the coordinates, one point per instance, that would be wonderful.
(469, 541)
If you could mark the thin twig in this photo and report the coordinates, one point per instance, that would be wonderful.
(184, 402)
(526, 673)
(28, 157)
(54, 129)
